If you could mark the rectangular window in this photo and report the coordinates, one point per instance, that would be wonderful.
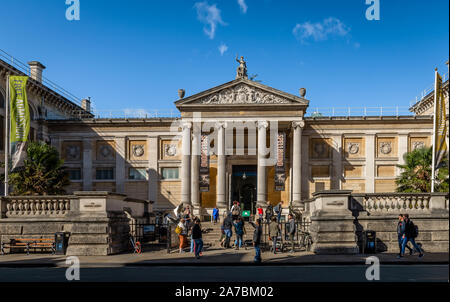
(169, 173)
(104, 174)
(137, 174)
(74, 174)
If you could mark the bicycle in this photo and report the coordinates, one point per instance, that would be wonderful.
(305, 240)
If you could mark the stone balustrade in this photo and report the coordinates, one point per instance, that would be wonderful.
(35, 206)
(385, 203)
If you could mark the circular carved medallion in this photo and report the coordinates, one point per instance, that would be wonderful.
(171, 150)
(353, 148)
(385, 147)
(138, 150)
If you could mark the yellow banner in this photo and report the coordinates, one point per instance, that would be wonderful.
(440, 127)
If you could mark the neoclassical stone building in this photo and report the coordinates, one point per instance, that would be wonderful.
(158, 159)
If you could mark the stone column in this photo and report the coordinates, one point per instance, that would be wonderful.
(120, 164)
(297, 163)
(370, 163)
(195, 166)
(221, 167)
(261, 195)
(152, 157)
(186, 164)
(87, 164)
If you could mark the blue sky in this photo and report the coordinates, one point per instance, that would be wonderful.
(137, 54)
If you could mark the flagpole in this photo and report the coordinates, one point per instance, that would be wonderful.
(7, 124)
(433, 163)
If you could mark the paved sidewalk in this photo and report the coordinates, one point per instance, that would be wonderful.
(213, 256)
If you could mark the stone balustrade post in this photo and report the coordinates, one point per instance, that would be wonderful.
(332, 226)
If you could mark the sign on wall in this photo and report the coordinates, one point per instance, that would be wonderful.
(280, 169)
(204, 164)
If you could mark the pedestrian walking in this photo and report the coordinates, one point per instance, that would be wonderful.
(227, 228)
(292, 230)
(278, 209)
(197, 238)
(257, 239)
(269, 213)
(240, 231)
(260, 212)
(181, 230)
(215, 215)
(274, 233)
(411, 232)
(400, 233)
(235, 210)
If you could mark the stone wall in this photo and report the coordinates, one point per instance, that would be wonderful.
(339, 218)
(98, 222)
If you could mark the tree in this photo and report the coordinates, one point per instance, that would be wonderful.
(43, 172)
(416, 173)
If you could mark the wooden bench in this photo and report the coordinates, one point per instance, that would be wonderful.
(29, 243)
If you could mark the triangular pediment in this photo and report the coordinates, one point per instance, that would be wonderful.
(241, 92)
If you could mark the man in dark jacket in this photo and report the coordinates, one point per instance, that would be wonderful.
(292, 230)
(257, 240)
(410, 236)
(227, 228)
(197, 237)
(274, 232)
(400, 233)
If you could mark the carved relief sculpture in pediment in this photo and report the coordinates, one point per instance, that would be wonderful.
(243, 94)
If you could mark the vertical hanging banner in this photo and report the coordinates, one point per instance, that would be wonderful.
(440, 128)
(280, 169)
(20, 120)
(204, 164)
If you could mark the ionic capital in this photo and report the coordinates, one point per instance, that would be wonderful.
(300, 124)
(262, 124)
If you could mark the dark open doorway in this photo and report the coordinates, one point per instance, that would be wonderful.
(243, 186)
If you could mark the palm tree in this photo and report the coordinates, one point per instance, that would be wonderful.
(416, 174)
(43, 172)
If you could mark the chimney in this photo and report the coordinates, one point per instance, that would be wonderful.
(36, 69)
(86, 104)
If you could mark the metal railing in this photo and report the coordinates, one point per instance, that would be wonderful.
(358, 111)
(428, 90)
(45, 81)
(135, 113)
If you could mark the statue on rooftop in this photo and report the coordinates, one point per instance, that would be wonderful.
(242, 69)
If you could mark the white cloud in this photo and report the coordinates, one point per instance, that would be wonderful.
(320, 31)
(243, 6)
(210, 16)
(222, 49)
(141, 113)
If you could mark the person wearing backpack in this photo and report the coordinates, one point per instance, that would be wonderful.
(411, 232)
(400, 233)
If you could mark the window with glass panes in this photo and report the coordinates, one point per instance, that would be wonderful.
(169, 173)
(74, 174)
(137, 173)
(104, 174)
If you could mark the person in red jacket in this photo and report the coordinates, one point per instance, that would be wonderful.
(260, 212)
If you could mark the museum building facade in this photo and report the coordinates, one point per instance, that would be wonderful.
(241, 141)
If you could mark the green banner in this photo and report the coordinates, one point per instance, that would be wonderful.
(20, 119)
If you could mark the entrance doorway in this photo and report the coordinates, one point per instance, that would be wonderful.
(243, 186)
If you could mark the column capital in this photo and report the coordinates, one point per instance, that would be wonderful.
(186, 125)
(300, 124)
(219, 125)
(262, 124)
